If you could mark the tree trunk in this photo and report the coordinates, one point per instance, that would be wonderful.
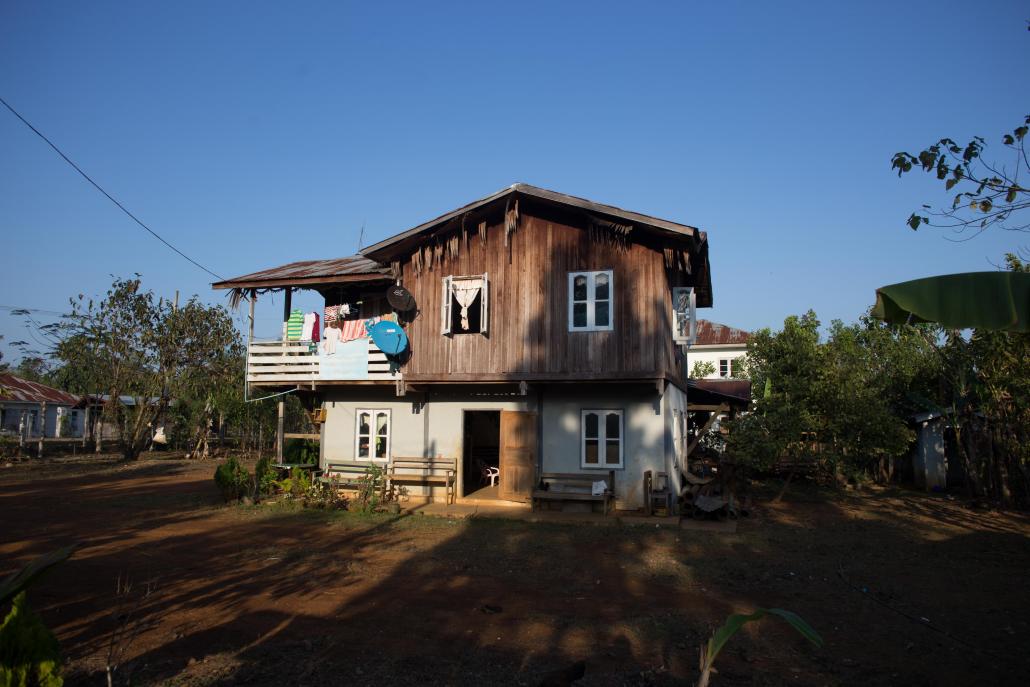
(786, 483)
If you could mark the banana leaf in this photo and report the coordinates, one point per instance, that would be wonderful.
(998, 301)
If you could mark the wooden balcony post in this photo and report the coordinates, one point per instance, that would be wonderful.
(279, 431)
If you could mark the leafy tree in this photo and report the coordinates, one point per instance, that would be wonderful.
(784, 369)
(134, 345)
(34, 369)
(701, 369)
(989, 193)
(841, 406)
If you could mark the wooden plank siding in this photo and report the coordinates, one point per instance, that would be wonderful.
(528, 335)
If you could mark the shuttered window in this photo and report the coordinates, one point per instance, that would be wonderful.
(465, 304)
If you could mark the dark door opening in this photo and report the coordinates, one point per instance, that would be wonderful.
(482, 449)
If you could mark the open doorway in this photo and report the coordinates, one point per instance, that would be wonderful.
(482, 448)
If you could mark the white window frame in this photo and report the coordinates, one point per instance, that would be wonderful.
(484, 302)
(690, 314)
(591, 301)
(729, 368)
(602, 439)
(372, 435)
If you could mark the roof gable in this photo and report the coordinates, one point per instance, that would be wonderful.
(387, 248)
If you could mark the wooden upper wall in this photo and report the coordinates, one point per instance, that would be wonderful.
(528, 336)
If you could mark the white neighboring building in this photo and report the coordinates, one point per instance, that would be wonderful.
(720, 345)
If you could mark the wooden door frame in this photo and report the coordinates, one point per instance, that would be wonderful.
(460, 487)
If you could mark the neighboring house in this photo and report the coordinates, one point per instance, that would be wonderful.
(722, 346)
(33, 410)
(543, 338)
(108, 426)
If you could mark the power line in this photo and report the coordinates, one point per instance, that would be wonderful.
(109, 196)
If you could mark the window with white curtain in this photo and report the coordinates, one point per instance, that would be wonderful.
(601, 439)
(590, 301)
(372, 434)
(465, 304)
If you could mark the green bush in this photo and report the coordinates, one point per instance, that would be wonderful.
(233, 480)
(264, 477)
(29, 653)
(301, 451)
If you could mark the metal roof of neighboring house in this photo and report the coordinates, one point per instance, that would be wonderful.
(14, 388)
(336, 270)
(714, 334)
(735, 391)
(663, 225)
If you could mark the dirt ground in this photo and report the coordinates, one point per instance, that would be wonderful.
(905, 588)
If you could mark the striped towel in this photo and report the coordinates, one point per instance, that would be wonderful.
(294, 325)
(352, 329)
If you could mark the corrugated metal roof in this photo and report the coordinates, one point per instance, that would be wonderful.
(542, 194)
(714, 334)
(351, 268)
(17, 389)
(735, 391)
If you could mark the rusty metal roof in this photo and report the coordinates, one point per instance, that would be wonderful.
(714, 334)
(22, 390)
(355, 268)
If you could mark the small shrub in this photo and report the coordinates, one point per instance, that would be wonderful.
(233, 480)
(325, 495)
(372, 493)
(29, 653)
(264, 478)
(294, 486)
(301, 451)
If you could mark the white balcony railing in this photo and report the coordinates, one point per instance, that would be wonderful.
(289, 362)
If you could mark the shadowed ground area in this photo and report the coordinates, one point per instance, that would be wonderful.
(905, 588)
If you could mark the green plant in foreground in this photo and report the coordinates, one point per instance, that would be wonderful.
(736, 621)
(29, 653)
(232, 479)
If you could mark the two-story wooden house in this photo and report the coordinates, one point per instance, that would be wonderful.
(544, 336)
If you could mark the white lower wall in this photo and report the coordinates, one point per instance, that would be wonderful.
(419, 429)
(434, 428)
(643, 425)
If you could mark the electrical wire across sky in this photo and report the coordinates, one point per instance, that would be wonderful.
(108, 195)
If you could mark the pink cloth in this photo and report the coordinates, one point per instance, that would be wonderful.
(352, 329)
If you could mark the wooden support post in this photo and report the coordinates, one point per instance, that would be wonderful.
(724, 408)
(23, 429)
(280, 432)
(250, 331)
(42, 429)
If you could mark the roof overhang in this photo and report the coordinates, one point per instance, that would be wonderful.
(387, 248)
(355, 269)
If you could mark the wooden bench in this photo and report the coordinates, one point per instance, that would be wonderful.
(575, 486)
(348, 474)
(426, 471)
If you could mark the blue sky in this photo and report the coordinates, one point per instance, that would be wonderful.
(253, 134)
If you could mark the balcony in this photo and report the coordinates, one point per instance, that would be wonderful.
(278, 362)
